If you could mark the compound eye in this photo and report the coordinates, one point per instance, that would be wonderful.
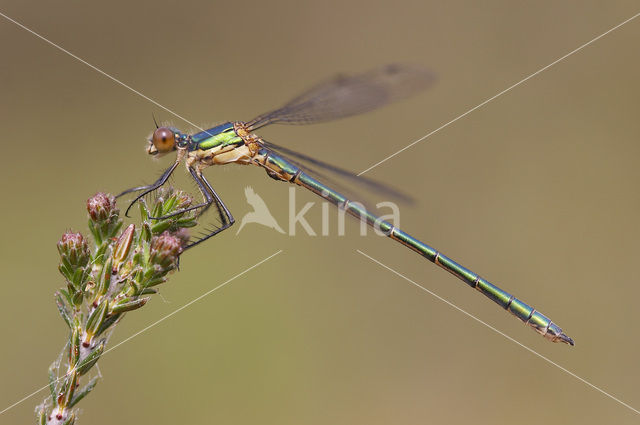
(163, 139)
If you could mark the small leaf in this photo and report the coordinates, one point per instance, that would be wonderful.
(144, 211)
(74, 345)
(66, 295)
(99, 255)
(70, 385)
(155, 281)
(156, 211)
(96, 317)
(64, 271)
(77, 279)
(137, 256)
(77, 299)
(129, 304)
(104, 278)
(134, 288)
(95, 232)
(71, 291)
(123, 245)
(146, 231)
(147, 291)
(161, 226)
(83, 392)
(52, 383)
(110, 320)
(169, 204)
(87, 363)
(116, 228)
(62, 308)
(186, 222)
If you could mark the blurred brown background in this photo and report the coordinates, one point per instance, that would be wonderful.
(537, 191)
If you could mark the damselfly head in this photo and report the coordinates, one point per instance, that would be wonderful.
(163, 140)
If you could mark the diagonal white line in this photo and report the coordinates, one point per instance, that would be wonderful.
(112, 78)
(501, 333)
(501, 93)
(154, 324)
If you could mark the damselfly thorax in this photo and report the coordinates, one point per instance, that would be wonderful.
(233, 143)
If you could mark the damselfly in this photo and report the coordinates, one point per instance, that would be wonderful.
(235, 142)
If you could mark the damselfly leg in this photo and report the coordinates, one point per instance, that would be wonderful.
(211, 197)
(149, 188)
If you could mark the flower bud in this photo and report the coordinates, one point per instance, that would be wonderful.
(123, 245)
(165, 250)
(74, 250)
(102, 207)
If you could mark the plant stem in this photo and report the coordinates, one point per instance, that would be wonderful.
(117, 274)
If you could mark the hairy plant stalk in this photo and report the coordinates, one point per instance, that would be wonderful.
(115, 273)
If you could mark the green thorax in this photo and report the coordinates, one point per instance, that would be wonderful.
(216, 137)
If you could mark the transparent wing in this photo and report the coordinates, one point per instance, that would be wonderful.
(309, 164)
(343, 96)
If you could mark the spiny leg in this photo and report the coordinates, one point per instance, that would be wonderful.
(211, 197)
(224, 214)
(206, 192)
(223, 211)
(149, 188)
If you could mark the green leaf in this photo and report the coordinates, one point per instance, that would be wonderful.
(156, 211)
(147, 291)
(104, 278)
(93, 357)
(96, 317)
(136, 258)
(66, 295)
(110, 320)
(72, 292)
(144, 211)
(154, 281)
(52, 383)
(74, 345)
(95, 232)
(186, 222)
(62, 308)
(64, 262)
(161, 226)
(169, 204)
(146, 232)
(122, 246)
(116, 228)
(77, 279)
(77, 299)
(64, 271)
(83, 392)
(69, 387)
(100, 252)
(129, 304)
